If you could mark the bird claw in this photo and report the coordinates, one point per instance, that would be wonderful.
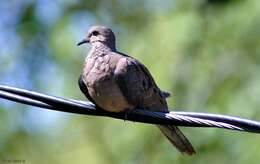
(127, 111)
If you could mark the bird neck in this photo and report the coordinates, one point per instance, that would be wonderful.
(103, 46)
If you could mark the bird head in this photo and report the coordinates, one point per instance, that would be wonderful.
(99, 34)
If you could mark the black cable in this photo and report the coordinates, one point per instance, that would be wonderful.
(188, 119)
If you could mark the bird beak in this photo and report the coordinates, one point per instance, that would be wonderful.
(83, 42)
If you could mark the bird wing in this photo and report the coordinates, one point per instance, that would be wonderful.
(138, 86)
(84, 89)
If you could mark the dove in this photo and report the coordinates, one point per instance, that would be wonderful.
(117, 82)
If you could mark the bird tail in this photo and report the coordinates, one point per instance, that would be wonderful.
(177, 138)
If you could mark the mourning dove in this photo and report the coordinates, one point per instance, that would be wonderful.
(117, 82)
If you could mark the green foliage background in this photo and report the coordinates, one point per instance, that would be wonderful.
(206, 52)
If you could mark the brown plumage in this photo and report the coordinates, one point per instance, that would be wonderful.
(117, 82)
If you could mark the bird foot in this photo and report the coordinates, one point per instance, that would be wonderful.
(127, 111)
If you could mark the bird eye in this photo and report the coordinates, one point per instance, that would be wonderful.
(95, 33)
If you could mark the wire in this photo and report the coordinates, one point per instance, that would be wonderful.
(187, 119)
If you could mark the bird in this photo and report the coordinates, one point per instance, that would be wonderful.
(116, 82)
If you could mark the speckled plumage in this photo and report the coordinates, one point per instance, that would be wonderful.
(117, 82)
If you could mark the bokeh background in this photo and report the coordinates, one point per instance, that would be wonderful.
(205, 52)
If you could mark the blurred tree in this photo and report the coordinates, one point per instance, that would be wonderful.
(208, 56)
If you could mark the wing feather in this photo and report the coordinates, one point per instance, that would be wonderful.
(137, 84)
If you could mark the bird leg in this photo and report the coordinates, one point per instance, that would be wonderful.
(127, 111)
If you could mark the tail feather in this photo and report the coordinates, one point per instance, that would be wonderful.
(177, 138)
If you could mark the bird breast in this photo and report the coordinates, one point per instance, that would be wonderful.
(102, 85)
